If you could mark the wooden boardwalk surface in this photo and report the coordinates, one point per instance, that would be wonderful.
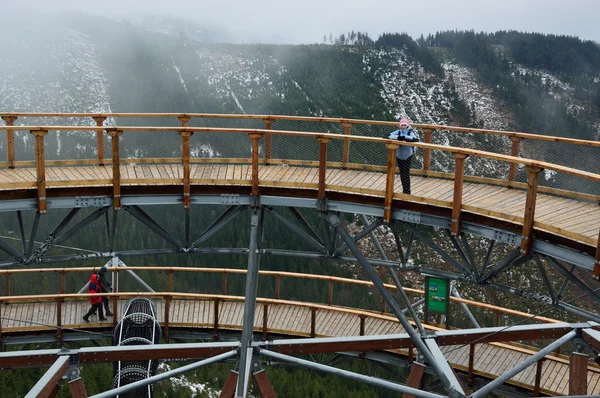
(491, 360)
(570, 218)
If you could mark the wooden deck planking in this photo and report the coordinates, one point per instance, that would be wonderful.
(492, 359)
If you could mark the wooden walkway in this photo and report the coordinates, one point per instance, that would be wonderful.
(491, 360)
(570, 218)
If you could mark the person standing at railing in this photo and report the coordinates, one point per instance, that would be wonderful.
(405, 153)
(95, 299)
(105, 287)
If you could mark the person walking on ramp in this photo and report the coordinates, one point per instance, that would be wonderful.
(95, 299)
(106, 287)
(404, 154)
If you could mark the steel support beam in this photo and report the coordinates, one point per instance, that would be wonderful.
(544, 275)
(145, 218)
(48, 382)
(350, 375)
(573, 279)
(11, 251)
(442, 362)
(367, 229)
(249, 303)
(425, 239)
(22, 232)
(297, 230)
(224, 219)
(399, 287)
(466, 309)
(504, 264)
(302, 221)
(448, 380)
(524, 365)
(166, 375)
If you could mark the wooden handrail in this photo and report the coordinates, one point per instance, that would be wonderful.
(309, 119)
(465, 151)
(277, 274)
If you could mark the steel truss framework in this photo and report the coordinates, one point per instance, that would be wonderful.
(333, 242)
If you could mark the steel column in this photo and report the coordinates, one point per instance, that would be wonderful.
(249, 304)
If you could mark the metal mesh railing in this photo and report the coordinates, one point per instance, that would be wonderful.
(139, 326)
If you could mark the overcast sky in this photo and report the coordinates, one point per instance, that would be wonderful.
(306, 21)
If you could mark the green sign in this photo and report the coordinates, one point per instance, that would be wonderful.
(437, 294)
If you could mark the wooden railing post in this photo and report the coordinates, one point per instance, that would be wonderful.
(255, 137)
(514, 151)
(100, 138)
(115, 300)
(330, 293)
(268, 126)
(265, 321)
(116, 168)
(1, 340)
(346, 149)
(427, 152)
(459, 174)
(59, 302)
(322, 166)
(168, 304)
(167, 316)
(277, 286)
(184, 120)
(224, 284)
(528, 217)
(185, 154)
(578, 364)
(7, 285)
(471, 365)
(597, 258)
(216, 320)
(538, 378)
(313, 322)
(10, 141)
(389, 183)
(40, 169)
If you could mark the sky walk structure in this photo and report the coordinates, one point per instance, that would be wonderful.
(490, 193)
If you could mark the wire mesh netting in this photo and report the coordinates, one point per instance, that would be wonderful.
(138, 326)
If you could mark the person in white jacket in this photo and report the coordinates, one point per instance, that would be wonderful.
(405, 153)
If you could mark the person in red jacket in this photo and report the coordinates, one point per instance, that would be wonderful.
(95, 299)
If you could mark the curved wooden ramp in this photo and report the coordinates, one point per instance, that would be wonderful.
(568, 218)
(295, 319)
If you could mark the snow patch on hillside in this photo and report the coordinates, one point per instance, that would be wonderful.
(405, 88)
(487, 108)
(182, 382)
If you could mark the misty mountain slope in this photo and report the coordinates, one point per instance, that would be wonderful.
(50, 68)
